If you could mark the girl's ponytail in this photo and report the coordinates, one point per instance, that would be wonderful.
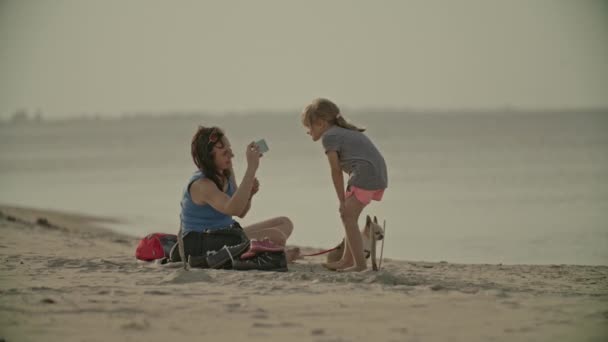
(341, 122)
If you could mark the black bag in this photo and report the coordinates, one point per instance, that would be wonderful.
(222, 248)
(199, 244)
(267, 261)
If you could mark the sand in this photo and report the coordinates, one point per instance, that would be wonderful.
(64, 278)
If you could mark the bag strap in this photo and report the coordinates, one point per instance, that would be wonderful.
(180, 243)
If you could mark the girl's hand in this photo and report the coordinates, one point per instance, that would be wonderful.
(256, 187)
(253, 156)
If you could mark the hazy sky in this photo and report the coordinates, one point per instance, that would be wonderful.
(111, 57)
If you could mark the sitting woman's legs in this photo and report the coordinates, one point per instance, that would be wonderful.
(277, 230)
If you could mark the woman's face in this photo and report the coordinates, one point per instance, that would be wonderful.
(222, 155)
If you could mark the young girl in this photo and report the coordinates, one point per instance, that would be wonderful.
(348, 150)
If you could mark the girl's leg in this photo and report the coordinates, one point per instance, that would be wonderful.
(346, 260)
(353, 244)
(277, 230)
(350, 217)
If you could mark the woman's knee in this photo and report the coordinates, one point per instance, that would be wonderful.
(280, 240)
(286, 224)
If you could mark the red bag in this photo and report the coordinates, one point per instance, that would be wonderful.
(155, 246)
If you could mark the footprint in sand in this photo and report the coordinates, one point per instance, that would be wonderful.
(136, 325)
(260, 316)
(401, 330)
(239, 297)
(511, 303)
(289, 324)
(157, 292)
(232, 307)
(317, 332)
(333, 339)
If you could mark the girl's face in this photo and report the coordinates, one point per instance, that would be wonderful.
(222, 155)
(317, 129)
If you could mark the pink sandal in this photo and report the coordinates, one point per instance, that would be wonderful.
(259, 247)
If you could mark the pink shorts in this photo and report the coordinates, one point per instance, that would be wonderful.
(364, 196)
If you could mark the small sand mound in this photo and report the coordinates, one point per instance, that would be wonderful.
(387, 278)
(184, 277)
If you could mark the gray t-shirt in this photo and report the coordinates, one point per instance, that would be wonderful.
(358, 157)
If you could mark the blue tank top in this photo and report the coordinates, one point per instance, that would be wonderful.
(199, 218)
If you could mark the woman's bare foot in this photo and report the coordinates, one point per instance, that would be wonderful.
(353, 268)
(292, 254)
(336, 265)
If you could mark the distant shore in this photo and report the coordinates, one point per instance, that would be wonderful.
(40, 118)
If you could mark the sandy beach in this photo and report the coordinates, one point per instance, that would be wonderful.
(64, 278)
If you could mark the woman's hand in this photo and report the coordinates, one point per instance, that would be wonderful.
(253, 156)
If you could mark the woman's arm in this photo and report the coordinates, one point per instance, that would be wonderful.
(233, 178)
(254, 190)
(204, 191)
(246, 210)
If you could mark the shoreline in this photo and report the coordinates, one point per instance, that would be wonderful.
(101, 225)
(64, 278)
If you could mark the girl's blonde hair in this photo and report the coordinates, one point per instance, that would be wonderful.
(324, 109)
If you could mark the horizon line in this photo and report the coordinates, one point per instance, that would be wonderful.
(38, 115)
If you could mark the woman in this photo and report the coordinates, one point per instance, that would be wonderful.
(212, 197)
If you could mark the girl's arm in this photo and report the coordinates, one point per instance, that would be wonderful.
(336, 174)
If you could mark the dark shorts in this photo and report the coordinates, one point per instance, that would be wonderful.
(199, 243)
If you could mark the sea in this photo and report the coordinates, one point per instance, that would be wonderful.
(495, 186)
